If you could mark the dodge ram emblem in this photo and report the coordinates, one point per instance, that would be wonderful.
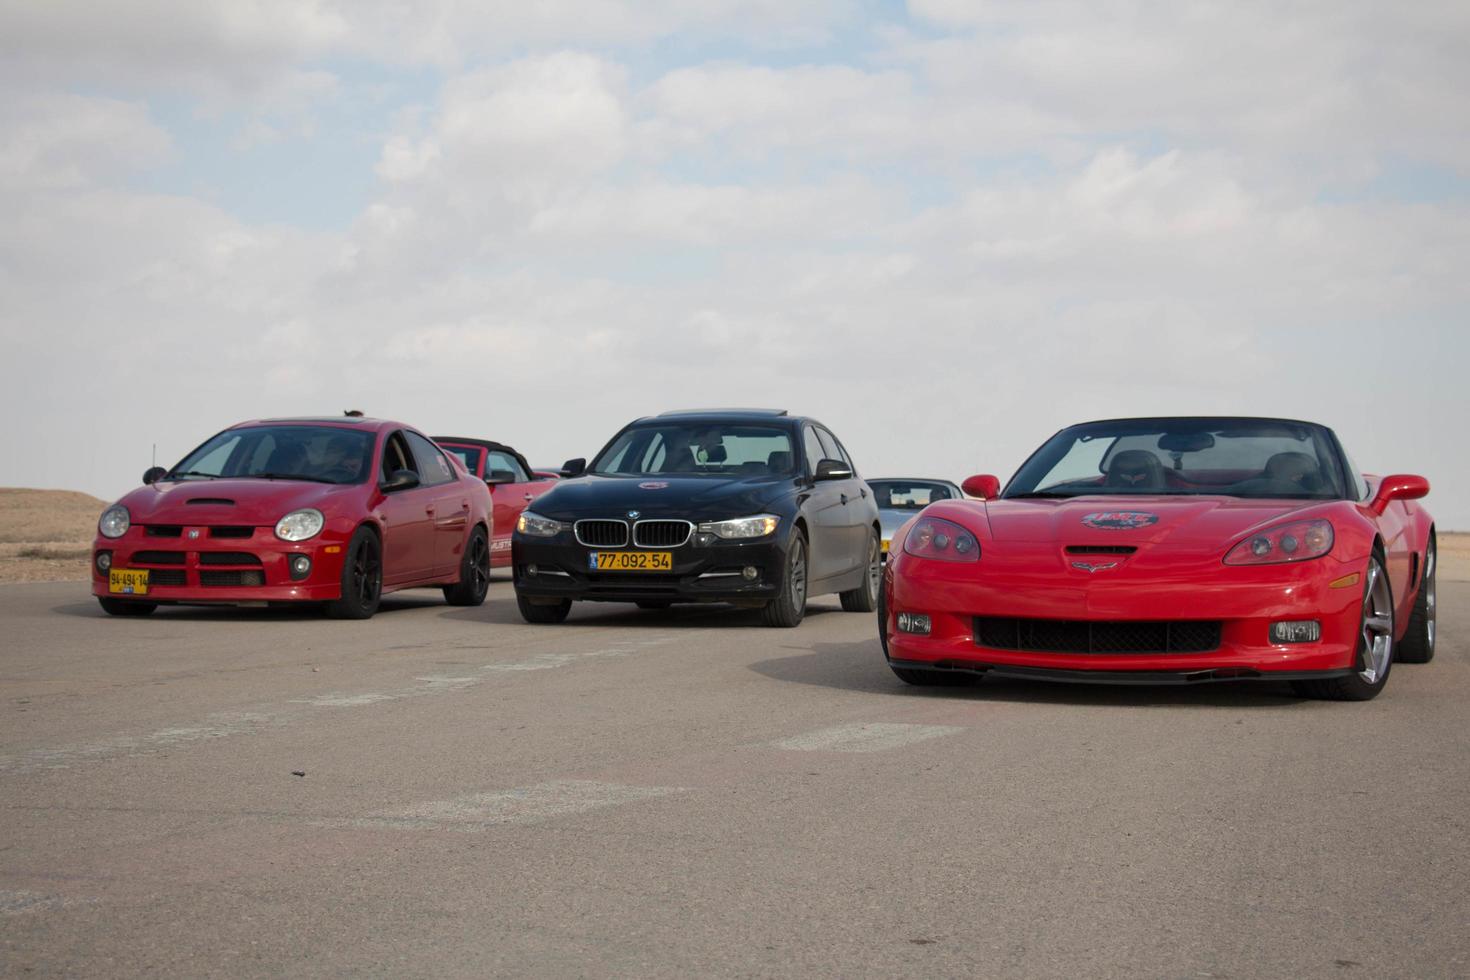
(1119, 520)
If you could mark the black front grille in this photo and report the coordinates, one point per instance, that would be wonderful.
(231, 578)
(1082, 636)
(158, 557)
(602, 534)
(661, 534)
(1101, 549)
(163, 531)
(227, 558)
(166, 576)
(225, 531)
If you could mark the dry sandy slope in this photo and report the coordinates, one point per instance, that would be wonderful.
(46, 535)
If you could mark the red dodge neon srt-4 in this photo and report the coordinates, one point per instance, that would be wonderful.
(334, 511)
(1170, 550)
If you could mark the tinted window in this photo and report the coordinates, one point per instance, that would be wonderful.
(832, 442)
(468, 456)
(910, 494)
(396, 456)
(433, 468)
(813, 448)
(320, 453)
(698, 449)
(1228, 457)
(497, 460)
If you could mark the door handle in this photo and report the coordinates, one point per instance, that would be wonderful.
(844, 498)
(530, 497)
(864, 492)
(429, 511)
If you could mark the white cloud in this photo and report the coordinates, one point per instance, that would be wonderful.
(56, 140)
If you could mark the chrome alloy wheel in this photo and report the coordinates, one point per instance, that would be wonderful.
(875, 571)
(796, 575)
(1376, 641)
(1428, 586)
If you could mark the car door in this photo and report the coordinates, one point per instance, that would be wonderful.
(449, 500)
(510, 498)
(826, 517)
(405, 516)
(856, 515)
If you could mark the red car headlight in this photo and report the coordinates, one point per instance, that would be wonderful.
(1297, 541)
(941, 540)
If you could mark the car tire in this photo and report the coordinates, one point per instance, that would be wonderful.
(864, 598)
(1417, 646)
(474, 572)
(543, 615)
(788, 608)
(362, 578)
(126, 607)
(1375, 645)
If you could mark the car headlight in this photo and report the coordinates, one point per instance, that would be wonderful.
(300, 524)
(941, 540)
(739, 528)
(114, 522)
(1297, 541)
(537, 526)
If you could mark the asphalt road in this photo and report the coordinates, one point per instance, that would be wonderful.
(687, 793)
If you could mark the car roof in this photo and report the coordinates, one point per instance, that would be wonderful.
(1202, 418)
(472, 441)
(346, 421)
(730, 412)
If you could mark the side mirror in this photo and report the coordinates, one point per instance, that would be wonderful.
(497, 477)
(983, 485)
(1400, 486)
(153, 474)
(399, 480)
(574, 467)
(833, 469)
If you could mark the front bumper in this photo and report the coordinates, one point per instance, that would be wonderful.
(700, 573)
(1243, 600)
(206, 569)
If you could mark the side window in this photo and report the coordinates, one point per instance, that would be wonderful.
(1359, 486)
(396, 456)
(841, 449)
(469, 457)
(433, 468)
(497, 460)
(813, 449)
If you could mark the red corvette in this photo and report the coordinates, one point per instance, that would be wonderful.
(1170, 550)
(512, 482)
(334, 511)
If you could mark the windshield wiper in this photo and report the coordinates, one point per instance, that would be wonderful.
(290, 476)
(172, 474)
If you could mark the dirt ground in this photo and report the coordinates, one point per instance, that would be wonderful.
(46, 536)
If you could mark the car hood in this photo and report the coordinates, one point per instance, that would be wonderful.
(692, 498)
(252, 502)
(1185, 524)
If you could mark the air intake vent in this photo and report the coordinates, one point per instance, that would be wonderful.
(211, 501)
(602, 534)
(1081, 636)
(661, 534)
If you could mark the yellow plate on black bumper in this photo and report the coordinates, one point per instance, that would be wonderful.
(630, 561)
(128, 581)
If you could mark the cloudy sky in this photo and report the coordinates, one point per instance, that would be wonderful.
(946, 228)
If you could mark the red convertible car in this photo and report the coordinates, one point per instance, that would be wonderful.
(512, 482)
(1170, 550)
(335, 511)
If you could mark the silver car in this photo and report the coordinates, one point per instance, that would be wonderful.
(901, 498)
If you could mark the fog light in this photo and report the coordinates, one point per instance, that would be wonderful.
(104, 561)
(913, 623)
(1296, 631)
(751, 573)
(704, 539)
(300, 567)
(530, 571)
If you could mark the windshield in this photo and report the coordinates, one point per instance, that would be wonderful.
(911, 494)
(698, 449)
(1230, 457)
(320, 453)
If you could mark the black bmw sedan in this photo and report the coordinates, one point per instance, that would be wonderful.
(748, 506)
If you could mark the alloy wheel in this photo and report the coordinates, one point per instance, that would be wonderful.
(1428, 587)
(480, 564)
(367, 573)
(797, 575)
(1377, 633)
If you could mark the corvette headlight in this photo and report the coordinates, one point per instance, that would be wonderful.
(741, 528)
(114, 522)
(300, 524)
(537, 526)
(941, 540)
(1298, 541)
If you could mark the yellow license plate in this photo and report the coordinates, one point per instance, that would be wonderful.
(128, 581)
(630, 561)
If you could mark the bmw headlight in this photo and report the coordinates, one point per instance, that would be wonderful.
(114, 522)
(300, 524)
(740, 528)
(537, 526)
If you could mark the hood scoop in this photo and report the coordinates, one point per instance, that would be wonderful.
(1101, 549)
(211, 501)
